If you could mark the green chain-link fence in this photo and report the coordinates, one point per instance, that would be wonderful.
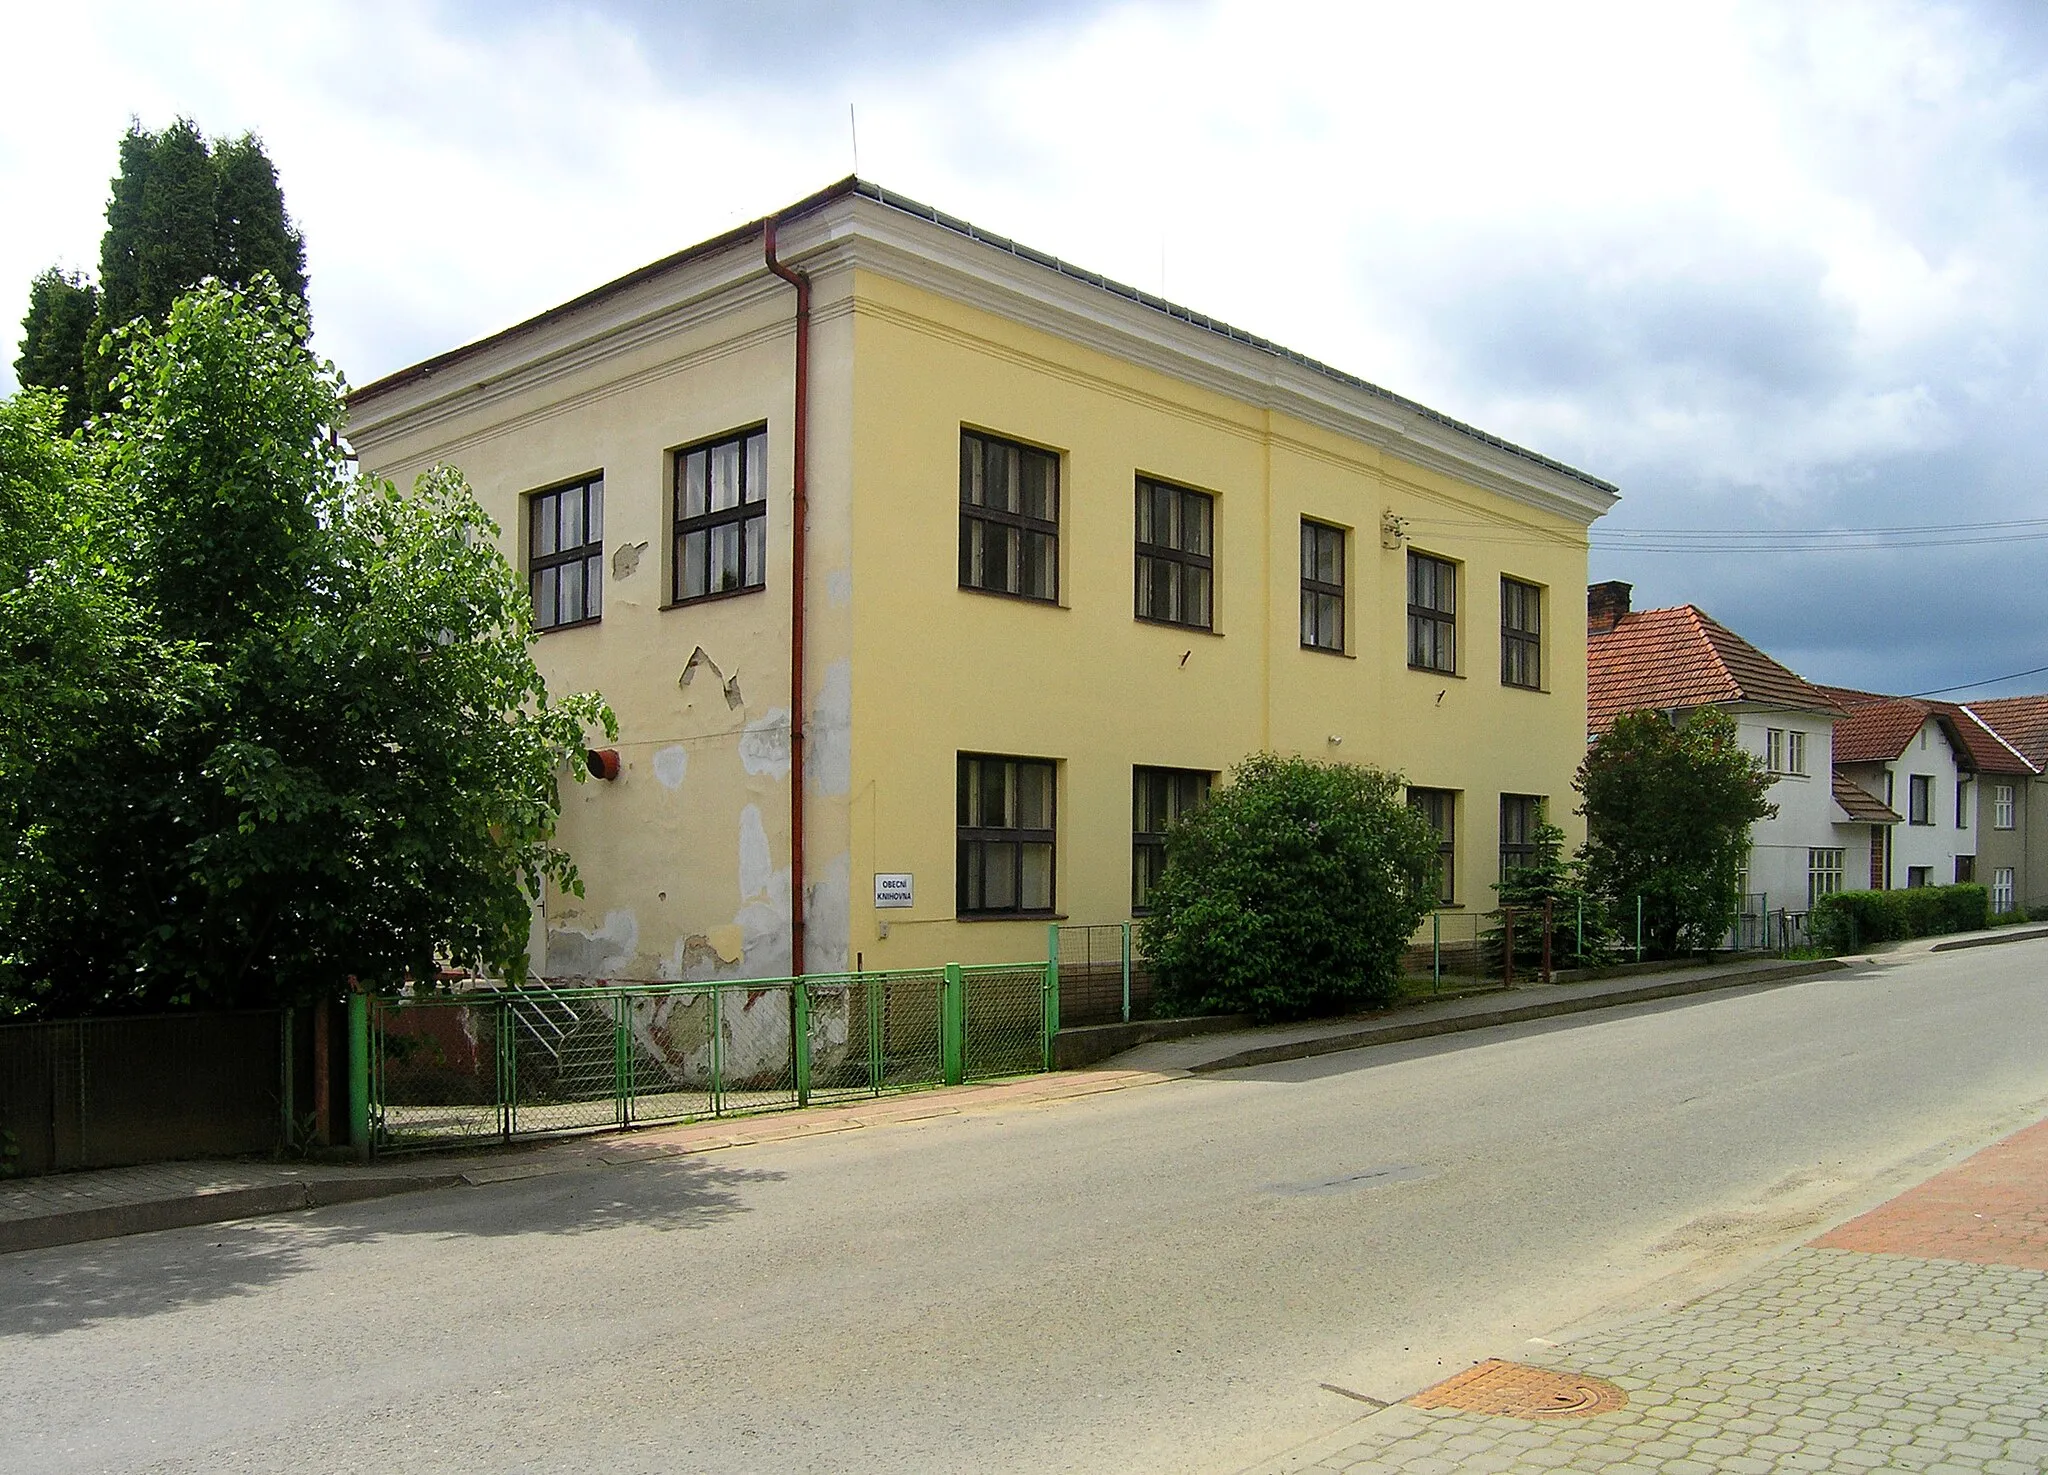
(506, 1063)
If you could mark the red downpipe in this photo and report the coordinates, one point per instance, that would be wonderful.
(799, 568)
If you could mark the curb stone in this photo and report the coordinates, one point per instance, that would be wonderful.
(76, 1226)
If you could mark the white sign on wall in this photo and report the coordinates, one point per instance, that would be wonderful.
(892, 889)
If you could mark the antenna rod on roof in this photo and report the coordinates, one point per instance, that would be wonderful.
(853, 129)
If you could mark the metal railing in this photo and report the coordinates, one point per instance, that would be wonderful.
(1102, 978)
(500, 1064)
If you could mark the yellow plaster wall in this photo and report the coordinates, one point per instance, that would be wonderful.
(939, 670)
(685, 858)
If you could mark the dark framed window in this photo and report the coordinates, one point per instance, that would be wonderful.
(1009, 518)
(721, 517)
(1520, 815)
(1919, 799)
(1521, 634)
(565, 553)
(1174, 545)
(1006, 814)
(1159, 797)
(1440, 808)
(1322, 586)
(1432, 613)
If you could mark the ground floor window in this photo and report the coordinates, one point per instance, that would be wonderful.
(1006, 830)
(1966, 869)
(1520, 814)
(1440, 808)
(1917, 876)
(2001, 890)
(1159, 796)
(1823, 874)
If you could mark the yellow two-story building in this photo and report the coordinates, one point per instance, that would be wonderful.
(931, 577)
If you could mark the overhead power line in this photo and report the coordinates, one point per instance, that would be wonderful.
(1972, 685)
(1755, 541)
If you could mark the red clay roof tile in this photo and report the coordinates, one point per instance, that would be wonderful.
(1660, 659)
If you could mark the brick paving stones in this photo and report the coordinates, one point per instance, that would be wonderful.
(1914, 1338)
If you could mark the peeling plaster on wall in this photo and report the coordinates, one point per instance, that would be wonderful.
(626, 560)
(728, 942)
(763, 926)
(829, 755)
(670, 764)
(757, 864)
(606, 953)
(764, 744)
(730, 684)
(839, 588)
(828, 914)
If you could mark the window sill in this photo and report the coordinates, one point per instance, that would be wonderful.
(1534, 691)
(1324, 650)
(1043, 603)
(1436, 675)
(571, 625)
(1009, 916)
(1176, 625)
(715, 598)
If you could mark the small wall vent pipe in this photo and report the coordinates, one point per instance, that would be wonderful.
(603, 763)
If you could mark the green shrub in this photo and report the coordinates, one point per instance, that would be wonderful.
(1853, 919)
(1291, 892)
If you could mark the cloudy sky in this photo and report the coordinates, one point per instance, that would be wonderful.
(1771, 268)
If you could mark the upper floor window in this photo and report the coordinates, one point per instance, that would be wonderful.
(721, 517)
(1322, 586)
(1159, 797)
(1784, 750)
(1432, 613)
(1520, 817)
(2001, 807)
(1521, 634)
(1962, 804)
(1440, 808)
(1005, 835)
(565, 553)
(1919, 799)
(1009, 518)
(1174, 554)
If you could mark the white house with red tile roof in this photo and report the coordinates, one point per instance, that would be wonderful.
(1960, 784)
(1676, 661)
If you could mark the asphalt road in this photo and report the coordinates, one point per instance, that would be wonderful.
(1154, 1279)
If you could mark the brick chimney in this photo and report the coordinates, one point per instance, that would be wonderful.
(1605, 605)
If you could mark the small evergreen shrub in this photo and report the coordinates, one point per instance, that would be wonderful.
(1291, 892)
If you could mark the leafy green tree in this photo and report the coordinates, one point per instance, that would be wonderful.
(1668, 814)
(61, 309)
(329, 753)
(1291, 892)
(181, 210)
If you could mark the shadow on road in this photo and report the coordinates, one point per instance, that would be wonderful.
(44, 1292)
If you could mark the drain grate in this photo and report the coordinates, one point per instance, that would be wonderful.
(1513, 1390)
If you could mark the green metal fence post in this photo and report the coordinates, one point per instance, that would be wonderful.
(359, 1074)
(800, 1025)
(1579, 948)
(1127, 979)
(717, 1051)
(953, 1026)
(508, 1072)
(622, 1061)
(1639, 927)
(874, 1004)
(1436, 952)
(287, 1087)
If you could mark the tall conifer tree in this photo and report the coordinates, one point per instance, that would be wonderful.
(180, 210)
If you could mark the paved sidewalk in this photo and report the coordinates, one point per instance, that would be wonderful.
(1912, 1338)
(1235, 1049)
(69, 1208)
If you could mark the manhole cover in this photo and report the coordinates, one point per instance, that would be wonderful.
(1514, 1391)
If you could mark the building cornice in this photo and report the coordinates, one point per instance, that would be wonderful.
(855, 225)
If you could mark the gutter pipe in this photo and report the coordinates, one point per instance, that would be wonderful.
(799, 569)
